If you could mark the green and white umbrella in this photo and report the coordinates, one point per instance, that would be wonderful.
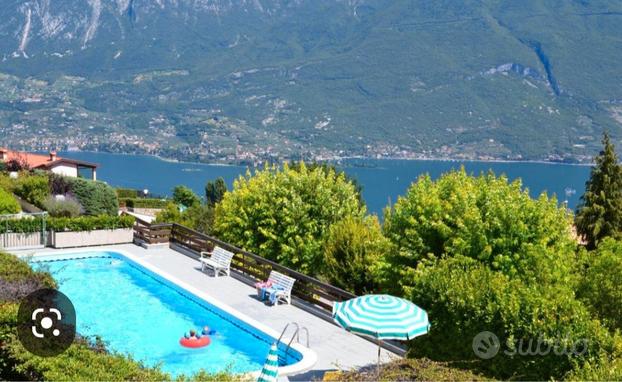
(270, 370)
(382, 317)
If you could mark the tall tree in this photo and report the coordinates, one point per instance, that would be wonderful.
(285, 214)
(327, 168)
(599, 214)
(214, 191)
(485, 218)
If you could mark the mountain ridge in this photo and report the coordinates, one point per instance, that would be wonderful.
(249, 80)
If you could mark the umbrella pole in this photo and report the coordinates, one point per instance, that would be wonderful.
(378, 366)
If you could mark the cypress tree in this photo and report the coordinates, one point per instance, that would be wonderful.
(215, 191)
(599, 213)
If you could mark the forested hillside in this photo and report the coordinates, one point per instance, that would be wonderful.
(242, 79)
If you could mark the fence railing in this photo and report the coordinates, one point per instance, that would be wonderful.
(308, 289)
(10, 239)
(151, 233)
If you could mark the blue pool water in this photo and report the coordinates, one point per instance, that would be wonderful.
(141, 314)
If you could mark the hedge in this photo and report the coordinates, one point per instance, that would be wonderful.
(90, 223)
(127, 193)
(77, 224)
(23, 225)
(144, 202)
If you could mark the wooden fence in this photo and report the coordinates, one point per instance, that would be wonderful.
(148, 233)
(308, 289)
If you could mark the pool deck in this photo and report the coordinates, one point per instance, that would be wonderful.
(336, 349)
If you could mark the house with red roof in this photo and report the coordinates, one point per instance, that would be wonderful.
(50, 162)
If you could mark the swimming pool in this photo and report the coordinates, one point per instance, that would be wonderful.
(138, 312)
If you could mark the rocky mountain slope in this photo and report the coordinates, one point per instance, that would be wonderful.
(252, 79)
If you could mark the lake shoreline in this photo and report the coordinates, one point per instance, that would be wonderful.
(344, 158)
(383, 180)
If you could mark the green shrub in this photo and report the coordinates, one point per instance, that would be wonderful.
(185, 196)
(97, 198)
(601, 285)
(78, 363)
(90, 223)
(485, 218)
(170, 214)
(13, 268)
(145, 202)
(6, 183)
(464, 297)
(199, 217)
(352, 251)
(604, 368)
(126, 193)
(284, 214)
(8, 204)
(33, 188)
(421, 369)
(67, 207)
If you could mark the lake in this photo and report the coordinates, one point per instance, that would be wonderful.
(382, 180)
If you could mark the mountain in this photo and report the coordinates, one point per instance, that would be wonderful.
(250, 79)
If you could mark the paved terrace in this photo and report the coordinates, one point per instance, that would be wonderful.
(336, 348)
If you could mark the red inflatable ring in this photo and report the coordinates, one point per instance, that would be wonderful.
(194, 342)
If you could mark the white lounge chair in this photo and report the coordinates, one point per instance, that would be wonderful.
(285, 282)
(219, 260)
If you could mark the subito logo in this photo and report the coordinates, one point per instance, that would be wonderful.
(46, 322)
(486, 345)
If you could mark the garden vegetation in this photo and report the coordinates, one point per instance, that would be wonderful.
(285, 214)
(145, 203)
(78, 196)
(8, 204)
(599, 214)
(96, 198)
(477, 252)
(63, 224)
(187, 209)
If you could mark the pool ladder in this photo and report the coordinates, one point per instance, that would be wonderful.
(295, 336)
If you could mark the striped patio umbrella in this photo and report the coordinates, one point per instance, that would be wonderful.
(270, 370)
(382, 317)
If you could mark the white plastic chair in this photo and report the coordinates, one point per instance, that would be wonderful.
(285, 282)
(219, 260)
